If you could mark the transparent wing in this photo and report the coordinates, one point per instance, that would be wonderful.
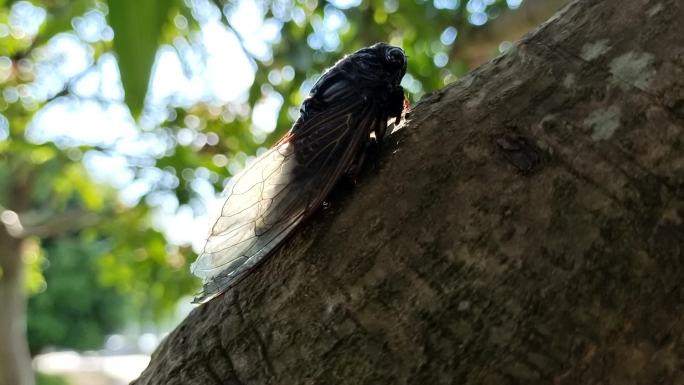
(271, 196)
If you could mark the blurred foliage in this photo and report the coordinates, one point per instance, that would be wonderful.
(50, 379)
(77, 312)
(102, 259)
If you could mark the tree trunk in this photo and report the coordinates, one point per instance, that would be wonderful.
(15, 361)
(525, 226)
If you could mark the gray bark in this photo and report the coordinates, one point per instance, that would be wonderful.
(15, 361)
(524, 226)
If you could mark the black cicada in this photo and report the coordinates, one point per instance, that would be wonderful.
(285, 185)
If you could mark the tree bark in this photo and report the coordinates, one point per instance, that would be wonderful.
(15, 361)
(524, 226)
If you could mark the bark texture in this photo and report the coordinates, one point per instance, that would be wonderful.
(525, 226)
(15, 361)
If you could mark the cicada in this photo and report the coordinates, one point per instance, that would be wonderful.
(350, 103)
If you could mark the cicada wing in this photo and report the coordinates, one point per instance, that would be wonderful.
(271, 196)
(243, 228)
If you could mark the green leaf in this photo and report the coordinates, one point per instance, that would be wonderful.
(137, 28)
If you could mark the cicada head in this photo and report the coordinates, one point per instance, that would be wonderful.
(379, 62)
(393, 60)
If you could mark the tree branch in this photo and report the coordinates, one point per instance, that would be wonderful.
(524, 227)
(28, 224)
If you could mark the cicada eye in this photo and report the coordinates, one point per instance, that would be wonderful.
(395, 56)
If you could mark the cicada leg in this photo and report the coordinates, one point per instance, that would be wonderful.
(370, 150)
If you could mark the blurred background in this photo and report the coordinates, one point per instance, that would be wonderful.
(120, 122)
